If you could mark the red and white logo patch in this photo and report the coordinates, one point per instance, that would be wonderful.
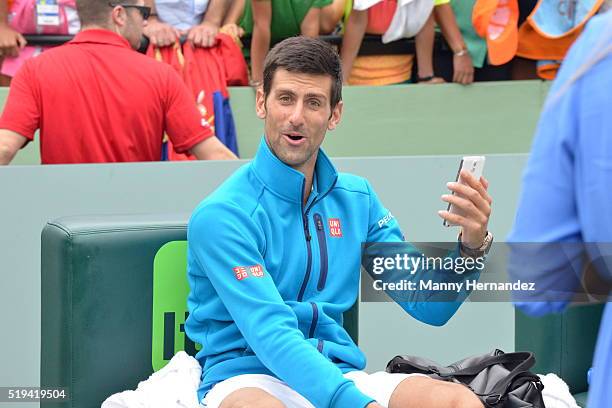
(240, 272)
(335, 230)
(256, 271)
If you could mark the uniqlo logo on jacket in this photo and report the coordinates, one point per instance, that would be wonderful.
(334, 227)
(256, 271)
(241, 272)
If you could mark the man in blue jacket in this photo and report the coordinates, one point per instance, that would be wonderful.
(274, 259)
(566, 197)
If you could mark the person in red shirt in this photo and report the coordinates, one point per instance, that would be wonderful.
(95, 99)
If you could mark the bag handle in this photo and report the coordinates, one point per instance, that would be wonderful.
(525, 358)
(502, 386)
(424, 369)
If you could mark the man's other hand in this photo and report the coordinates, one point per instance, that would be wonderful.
(374, 405)
(160, 34)
(203, 35)
(11, 42)
(472, 203)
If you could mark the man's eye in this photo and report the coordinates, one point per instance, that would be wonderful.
(284, 99)
(315, 104)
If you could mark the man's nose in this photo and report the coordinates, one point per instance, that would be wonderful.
(297, 115)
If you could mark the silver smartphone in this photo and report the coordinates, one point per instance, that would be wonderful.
(473, 164)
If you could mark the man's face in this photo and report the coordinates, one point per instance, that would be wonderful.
(134, 24)
(297, 115)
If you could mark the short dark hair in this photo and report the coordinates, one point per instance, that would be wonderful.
(97, 12)
(304, 55)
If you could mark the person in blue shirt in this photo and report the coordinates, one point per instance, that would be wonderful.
(198, 20)
(567, 191)
(274, 256)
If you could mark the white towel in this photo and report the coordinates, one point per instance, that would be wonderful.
(174, 386)
(410, 16)
(364, 4)
(556, 393)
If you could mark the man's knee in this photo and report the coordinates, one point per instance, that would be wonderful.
(251, 398)
(462, 397)
(420, 392)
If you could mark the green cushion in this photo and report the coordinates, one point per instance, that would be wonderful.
(563, 343)
(113, 303)
(581, 399)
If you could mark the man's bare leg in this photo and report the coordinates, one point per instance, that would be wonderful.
(423, 392)
(251, 398)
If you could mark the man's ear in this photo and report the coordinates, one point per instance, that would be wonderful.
(336, 115)
(260, 103)
(118, 16)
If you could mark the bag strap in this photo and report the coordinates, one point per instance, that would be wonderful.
(424, 369)
(525, 359)
(498, 392)
(502, 386)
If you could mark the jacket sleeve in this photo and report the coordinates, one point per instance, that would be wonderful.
(428, 306)
(222, 239)
(566, 195)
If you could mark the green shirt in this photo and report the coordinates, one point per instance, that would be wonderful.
(476, 45)
(287, 16)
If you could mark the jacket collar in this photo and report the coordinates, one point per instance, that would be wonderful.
(100, 36)
(287, 182)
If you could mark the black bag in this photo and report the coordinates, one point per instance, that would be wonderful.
(500, 380)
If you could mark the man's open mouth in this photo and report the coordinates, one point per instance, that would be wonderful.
(295, 138)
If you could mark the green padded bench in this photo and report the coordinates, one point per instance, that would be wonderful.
(113, 299)
(113, 303)
(563, 344)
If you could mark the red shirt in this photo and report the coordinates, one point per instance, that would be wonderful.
(380, 16)
(97, 100)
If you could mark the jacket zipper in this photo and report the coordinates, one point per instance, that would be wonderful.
(322, 251)
(315, 319)
(308, 237)
(308, 248)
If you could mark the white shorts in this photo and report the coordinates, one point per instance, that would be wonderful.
(379, 386)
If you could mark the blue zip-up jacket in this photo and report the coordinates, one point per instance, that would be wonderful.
(566, 195)
(270, 277)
